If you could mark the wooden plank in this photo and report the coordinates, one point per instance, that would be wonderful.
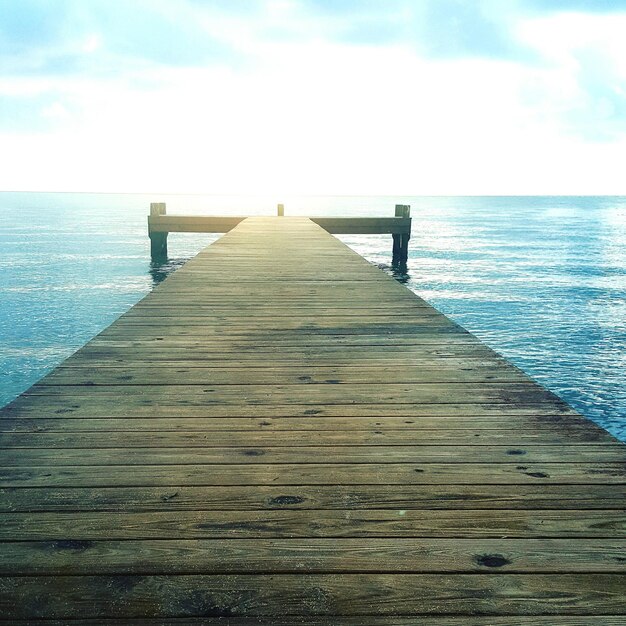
(337, 417)
(291, 343)
(322, 429)
(305, 455)
(171, 407)
(162, 433)
(306, 322)
(540, 496)
(475, 372)
(109, 355)
(68, 597)
(238, 309)
(342, 620)
(192, 224)
(313, 555)
(426, 326)
(325, 393)
(258, 361)
(363, 226)
(288, 524)
(521, 473)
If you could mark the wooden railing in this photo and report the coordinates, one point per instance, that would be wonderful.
(160, 224)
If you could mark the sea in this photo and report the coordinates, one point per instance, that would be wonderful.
(541, 280)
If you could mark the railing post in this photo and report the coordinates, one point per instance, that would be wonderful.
(281, 210)
(401, 240)
(158, 241)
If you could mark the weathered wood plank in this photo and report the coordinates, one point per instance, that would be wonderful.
(298, 331)
(184, 223)
(112, 355)
(161, 433)
(349, 454)
(278, 323)
(74, 407)
(365, 226)
(478, 372)
(325, 393)
(342, 620)
(312, 555)
(240, 311)
(293, 342)
(63, 597)
(456, 497)
(520, 473)
(284, 420)
(246, 524)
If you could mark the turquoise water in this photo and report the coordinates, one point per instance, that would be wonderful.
(542, 280)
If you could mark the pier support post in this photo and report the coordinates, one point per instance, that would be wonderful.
(281, 210)
(158, 240)
(401, 240)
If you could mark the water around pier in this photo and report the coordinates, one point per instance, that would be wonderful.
(541, 280)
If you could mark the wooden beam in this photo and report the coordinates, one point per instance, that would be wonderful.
(363, 225)
(333, 225)
(192, 223)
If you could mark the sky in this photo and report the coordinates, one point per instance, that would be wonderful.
(371, 97)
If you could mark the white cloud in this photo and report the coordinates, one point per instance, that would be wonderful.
(289, 113)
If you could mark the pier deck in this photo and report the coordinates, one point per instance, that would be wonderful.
(280, 433)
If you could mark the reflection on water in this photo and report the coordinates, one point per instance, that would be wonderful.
(160, 271)
(541, 280)
(399, 272)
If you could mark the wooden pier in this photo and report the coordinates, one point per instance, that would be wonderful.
(282, 434)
